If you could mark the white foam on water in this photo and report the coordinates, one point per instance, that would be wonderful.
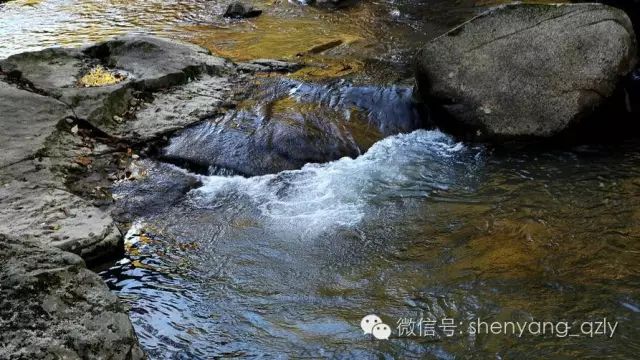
(319, 197)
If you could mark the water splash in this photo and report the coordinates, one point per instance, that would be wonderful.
(337, 194)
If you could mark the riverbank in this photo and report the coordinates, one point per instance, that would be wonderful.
(63, 145)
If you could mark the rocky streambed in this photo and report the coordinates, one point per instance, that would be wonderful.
(161, 118)
(64, 144)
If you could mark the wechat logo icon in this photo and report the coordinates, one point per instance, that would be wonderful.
(372, 324)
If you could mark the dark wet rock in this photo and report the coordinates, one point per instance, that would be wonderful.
(267, 65)
(526, 70)
(322, 47)
(238, 10)
(633, 92)
(52, 307)
(332, 4)
(244, 143)
(293, 124)
(632, 86)
(157, 187)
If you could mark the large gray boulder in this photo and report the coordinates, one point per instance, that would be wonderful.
(52, 307)
(526, 70)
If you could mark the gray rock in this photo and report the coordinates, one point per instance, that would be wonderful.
(267, 65)
(57, 218)
(526, 70)
(47, 70)
(631, 7)
(27, 120)
(150, 64)
(52, 307)
(174, 109)
(158, 63)
(161, 187)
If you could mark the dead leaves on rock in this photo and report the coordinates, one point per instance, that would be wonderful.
(99, 76)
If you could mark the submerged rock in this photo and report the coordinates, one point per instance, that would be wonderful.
(268, 65)
(52, 307)
(238, 10)
(287, 124)
(526, 70)
(335, 3)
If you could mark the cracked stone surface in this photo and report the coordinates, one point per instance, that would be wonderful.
(527, 70)
(52, 132)
(169, 85)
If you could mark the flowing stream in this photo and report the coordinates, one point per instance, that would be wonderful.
(418, 227)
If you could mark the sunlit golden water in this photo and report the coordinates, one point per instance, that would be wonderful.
(387, 31)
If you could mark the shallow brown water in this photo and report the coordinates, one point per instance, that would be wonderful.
(286, 265)
(369, 32)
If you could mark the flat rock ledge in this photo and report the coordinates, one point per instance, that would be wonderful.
(63, 144)
(526, 70)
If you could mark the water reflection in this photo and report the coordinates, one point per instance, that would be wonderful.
(285, 30)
